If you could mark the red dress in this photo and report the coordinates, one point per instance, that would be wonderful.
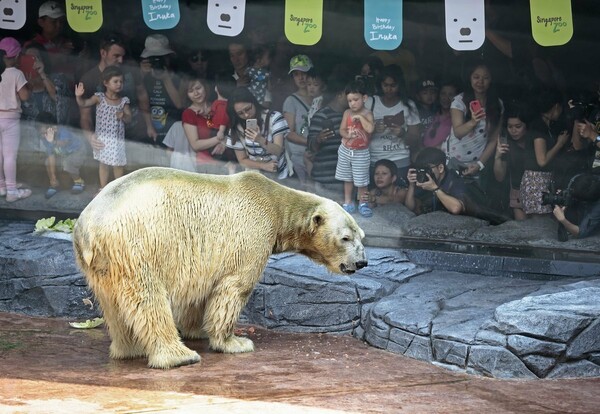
(204, 132)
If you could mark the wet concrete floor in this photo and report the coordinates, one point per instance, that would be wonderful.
(48, 367)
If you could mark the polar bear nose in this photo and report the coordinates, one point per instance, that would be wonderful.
(361, 264)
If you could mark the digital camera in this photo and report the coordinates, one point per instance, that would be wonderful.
(422, 174)
(157, 62)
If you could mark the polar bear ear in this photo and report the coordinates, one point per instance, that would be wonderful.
(316, 221)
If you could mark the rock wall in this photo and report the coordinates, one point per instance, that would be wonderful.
(503, 327)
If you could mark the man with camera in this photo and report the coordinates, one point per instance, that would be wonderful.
(582, 195)
(432, 187)
(161, 85)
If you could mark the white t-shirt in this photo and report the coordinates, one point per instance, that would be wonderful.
(10, 104)
(385, 145)
(183, 156)
(471, 146)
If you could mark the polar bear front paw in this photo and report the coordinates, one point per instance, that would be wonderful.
(234, 345)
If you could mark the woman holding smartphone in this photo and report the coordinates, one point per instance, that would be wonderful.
(397, 123)
(257, 135)
(476, 121)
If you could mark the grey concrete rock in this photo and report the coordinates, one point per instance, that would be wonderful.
(450, 352)
(557, 316)
(524, 345)
(531, 231)
(461, 324)
(497, 362)
(539, 365)
(579, 369)
(399, 340)
(586, 342)
(420, 348)
(441, 225)
(490, 337)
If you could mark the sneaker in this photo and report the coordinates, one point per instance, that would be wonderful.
(50, 192)
(365, 210)
(21, 193)
(349, 208)
(78, 187)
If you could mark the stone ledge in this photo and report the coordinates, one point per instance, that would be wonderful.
(495, 326)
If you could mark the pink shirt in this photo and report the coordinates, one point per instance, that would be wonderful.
(12, 82)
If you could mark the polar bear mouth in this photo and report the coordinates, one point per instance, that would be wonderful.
(344, 269)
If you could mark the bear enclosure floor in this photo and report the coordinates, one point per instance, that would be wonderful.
(48, 367)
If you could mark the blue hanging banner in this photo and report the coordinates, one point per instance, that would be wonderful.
(465, 24)
(160, 14)
(13, 14)
(383, 24)
(226, 17)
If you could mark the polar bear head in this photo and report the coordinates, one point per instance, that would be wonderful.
(334, 239)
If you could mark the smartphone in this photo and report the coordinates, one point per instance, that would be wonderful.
(252, 124)
(397, 120)
(503, 139)
(26, 63)
(475, 106)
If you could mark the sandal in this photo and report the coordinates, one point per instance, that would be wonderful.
(3, 190)
(19, 194)
(365, 210)
(50, 192)
(78, 187)
(349, 208)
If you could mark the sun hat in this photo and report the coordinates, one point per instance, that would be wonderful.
(156, 45)
(51, 9)
(11, 46)
(301, 63)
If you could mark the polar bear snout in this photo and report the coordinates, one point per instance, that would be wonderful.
(361, 263)
(353, 268)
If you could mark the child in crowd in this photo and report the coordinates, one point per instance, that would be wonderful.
(61, 144)
(219, 119)
(385, 190)
(315, 87)
(353, 155)
(439, 130)
(426, 99)
(259, 73)
(111, 113)
(13, 90)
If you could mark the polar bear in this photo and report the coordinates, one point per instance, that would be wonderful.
(169, 253)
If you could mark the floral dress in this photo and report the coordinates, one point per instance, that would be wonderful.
(110, 130)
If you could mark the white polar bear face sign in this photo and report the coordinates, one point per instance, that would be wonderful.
(12, 14)
(226, 17)
(465, 24)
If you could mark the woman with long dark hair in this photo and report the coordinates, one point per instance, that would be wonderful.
(476, 122)
(257, 135)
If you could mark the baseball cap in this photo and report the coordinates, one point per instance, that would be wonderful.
(301, 63)
(156, 45)
(51, 9)
(11, 46)
(426, 83)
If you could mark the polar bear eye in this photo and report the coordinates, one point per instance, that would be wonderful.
(346, 239)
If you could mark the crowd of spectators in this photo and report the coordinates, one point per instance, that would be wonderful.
(379, 131)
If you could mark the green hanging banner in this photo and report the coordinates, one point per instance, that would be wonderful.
(84, 16)
(551, 21)
(13, 14)
(303, 21)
